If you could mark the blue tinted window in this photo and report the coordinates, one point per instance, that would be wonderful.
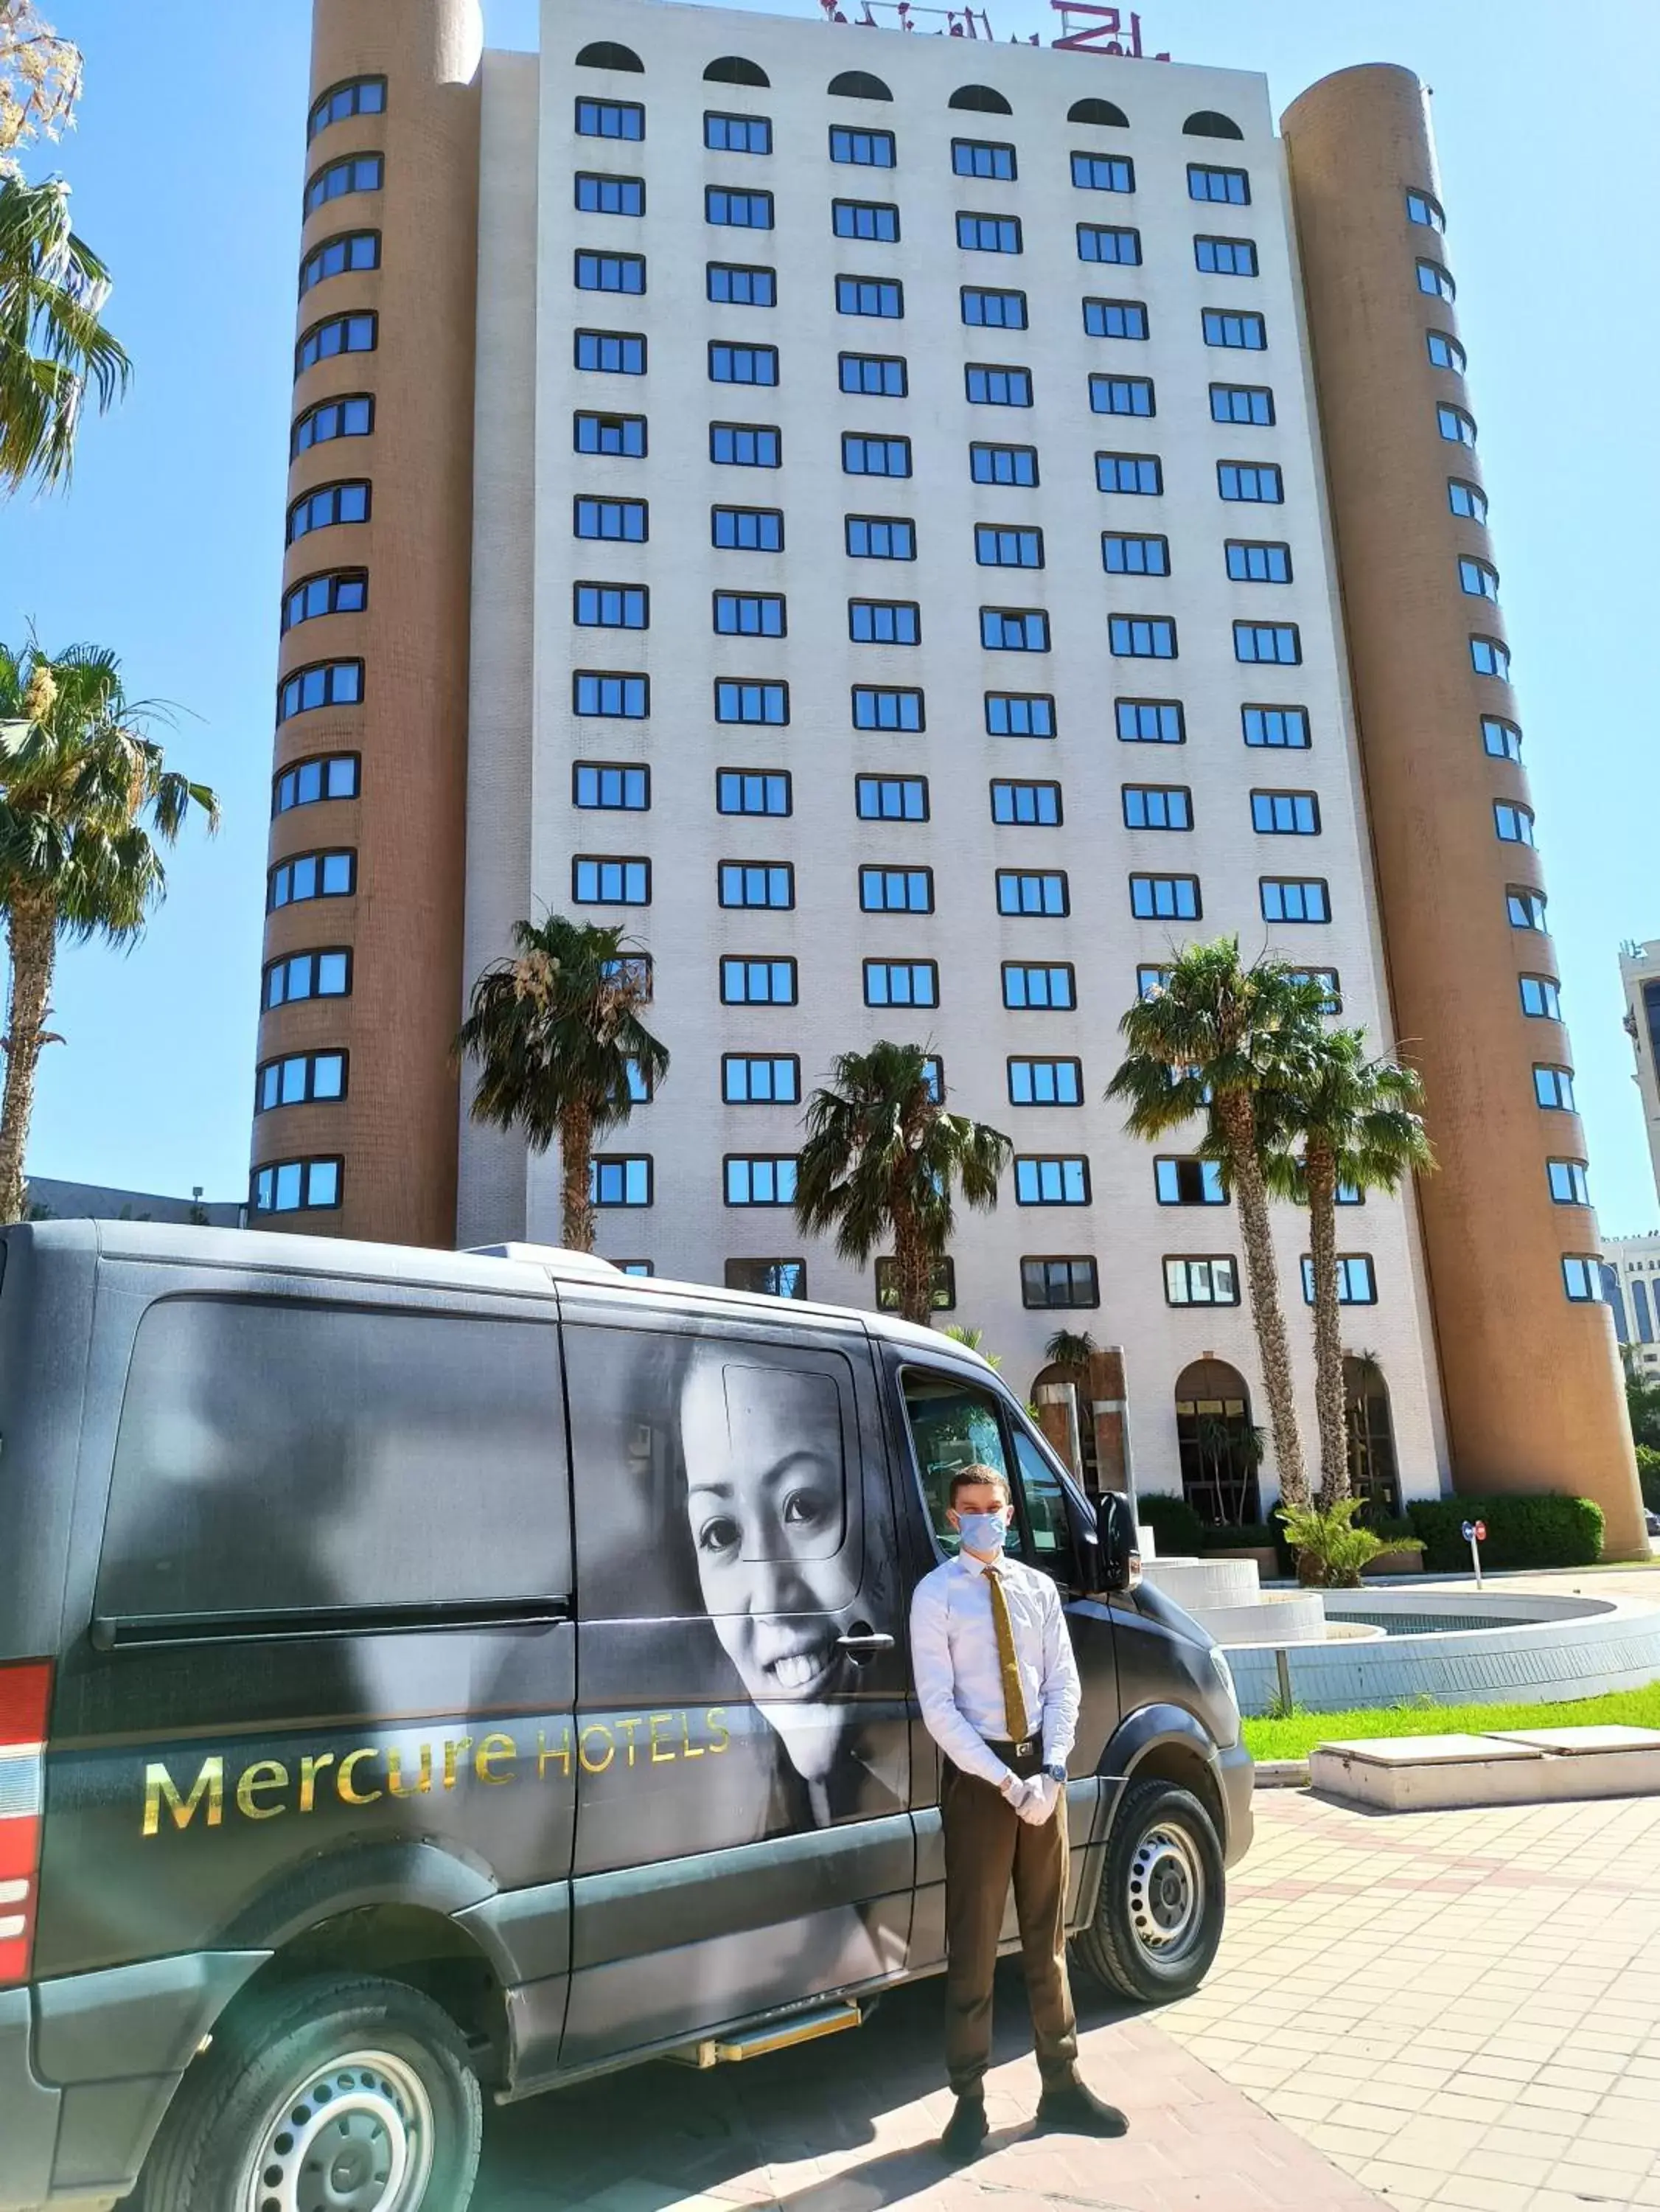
(610, 272)
(744, 445)
(886, 707)
(1226, 257)
(872, 375)
(620, 1181)
(1019, 714)
(1241, 402)
(1122, 395)
(1103, 172)
(1014, 630)
(1157, 806)
(1005, 464)
(732, 285)
(336, 257)
(1275, 641)
(1124, 556)
(883, 296)
(747, 529)
(1226, 187)
(601, 195)
(742, 364)
(896, 890)
(1255, 482)
(1114, 318)
(1249, 562)
(1285, 726)
(1099, 242)
(1032, 892)
(880, 537)
(884, 622)
(599, 881)
(1142, 637)
(891, 798)
(988, 233)
(626, 698)
(1027, 806)
(1292, 899)
(996, 547)
(736, 701)
(623, 435)
(1164, 898)
(867, 150)
(737, 134)
(610, 119)
(873, 220)
(1285, 813)
(974, 157)
(617, 353)
(993, 311)
(1045, 1083)
(749, 614)
(875, 457)
(611, 606)
(752, 791)
(611, 786)
(901, 983)
(1246, 333)
(757, 982)
(757, 882)
(1041, 989)
(1149, 722)
(737, 211)
(624, 520)
(989, 387)
(1139, 473)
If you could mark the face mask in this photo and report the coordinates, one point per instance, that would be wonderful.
(982, 1532)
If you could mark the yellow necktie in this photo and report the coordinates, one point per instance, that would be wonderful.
(1013, 1701)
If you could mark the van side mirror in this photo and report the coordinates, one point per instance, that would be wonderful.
(1121, 1541)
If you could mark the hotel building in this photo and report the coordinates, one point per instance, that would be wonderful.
(917, 528)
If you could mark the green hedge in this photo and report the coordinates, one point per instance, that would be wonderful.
(1648, 1473)
(1549, 1531)
(1175, 1527)
(1248, 1536)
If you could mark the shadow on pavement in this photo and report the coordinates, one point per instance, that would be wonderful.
(670, 2133)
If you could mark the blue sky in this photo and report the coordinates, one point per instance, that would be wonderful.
(187, 167)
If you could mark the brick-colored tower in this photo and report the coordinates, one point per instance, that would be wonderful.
(368, 820)
(1529, 1365)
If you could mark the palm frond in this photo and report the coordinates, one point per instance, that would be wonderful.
(54, 346)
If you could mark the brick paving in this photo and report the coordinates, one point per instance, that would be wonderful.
(1460, 2009)
(1446, 2009)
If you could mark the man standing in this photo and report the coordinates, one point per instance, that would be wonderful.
(998, 1687)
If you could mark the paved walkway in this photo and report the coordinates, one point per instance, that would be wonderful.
(1457, 2009)
(1460, 2009)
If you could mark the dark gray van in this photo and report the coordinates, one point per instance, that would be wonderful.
(429, 1675)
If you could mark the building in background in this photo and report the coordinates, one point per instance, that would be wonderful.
(1630, 1284)
(1639, 979)
(916, 529)
(49, 1199)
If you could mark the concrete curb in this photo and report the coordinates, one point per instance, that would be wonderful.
(1282, 1774)
(1526, 1766)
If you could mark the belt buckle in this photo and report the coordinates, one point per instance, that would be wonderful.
(1021, 1749)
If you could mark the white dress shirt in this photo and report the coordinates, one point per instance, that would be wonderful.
(953, 1650)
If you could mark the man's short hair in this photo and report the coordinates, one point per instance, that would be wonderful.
(966, 1478)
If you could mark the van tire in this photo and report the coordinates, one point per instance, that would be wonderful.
(1159, 1917)
(271, 2048)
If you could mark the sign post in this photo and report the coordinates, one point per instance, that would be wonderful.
(1475, 1534)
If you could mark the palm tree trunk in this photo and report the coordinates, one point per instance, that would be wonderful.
(1266, 1312)
(1322, 1175)
(575, 1154)
(32, 932)
(913, 1264)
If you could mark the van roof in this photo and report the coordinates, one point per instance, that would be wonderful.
(527, 1268)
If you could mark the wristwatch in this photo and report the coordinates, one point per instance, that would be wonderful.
(1055, 1771)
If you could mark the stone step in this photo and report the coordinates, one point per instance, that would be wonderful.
(1524, 1766)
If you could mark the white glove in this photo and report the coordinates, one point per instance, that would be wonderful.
(1043, 1793)
(1016, 1792)
(1038, 1805)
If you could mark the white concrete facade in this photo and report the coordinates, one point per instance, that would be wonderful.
(1639, 981)
(1634, 1262)
(524, 829)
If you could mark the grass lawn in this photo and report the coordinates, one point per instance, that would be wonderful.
(1296, 1737)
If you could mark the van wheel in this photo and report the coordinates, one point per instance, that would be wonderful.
(323, 2096)
(1159, 1917)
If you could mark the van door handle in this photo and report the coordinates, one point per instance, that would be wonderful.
(866, 1640)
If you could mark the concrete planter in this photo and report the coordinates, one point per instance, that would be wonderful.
(1396, 1563)
(1266, 1558)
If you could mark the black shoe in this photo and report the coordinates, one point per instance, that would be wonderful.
(1079, 2111)
(965, 2131)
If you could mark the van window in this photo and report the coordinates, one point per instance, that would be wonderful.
(278, 1457)
(955, 1424)
(712, 1475)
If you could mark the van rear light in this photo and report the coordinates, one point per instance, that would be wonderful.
(25, 1695)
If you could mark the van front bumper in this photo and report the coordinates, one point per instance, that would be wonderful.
(1237, 1773)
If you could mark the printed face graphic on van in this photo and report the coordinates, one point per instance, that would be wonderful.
(766, 1505)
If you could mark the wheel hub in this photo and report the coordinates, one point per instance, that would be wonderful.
(1166, 1894)
(354, 2136)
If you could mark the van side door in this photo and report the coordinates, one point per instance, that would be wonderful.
(944, 1416)
(741, 1735)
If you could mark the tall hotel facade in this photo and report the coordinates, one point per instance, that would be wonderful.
(917, 528)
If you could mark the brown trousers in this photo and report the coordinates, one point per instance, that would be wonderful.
(987, 1845)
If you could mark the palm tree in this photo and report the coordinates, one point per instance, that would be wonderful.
(53, 344)
(1219, 1041)
(1069, 1347)
(1357, 1123)
(85, 801)
(39, 78)
(881, 1157)
(562, 1049)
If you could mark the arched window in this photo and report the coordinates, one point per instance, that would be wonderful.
(606, 56)
(980, 97)
(1207, 123)
(732, 69)
(1097, 111)
(858, 84)
(1220, 1449)
(1373, 1473)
